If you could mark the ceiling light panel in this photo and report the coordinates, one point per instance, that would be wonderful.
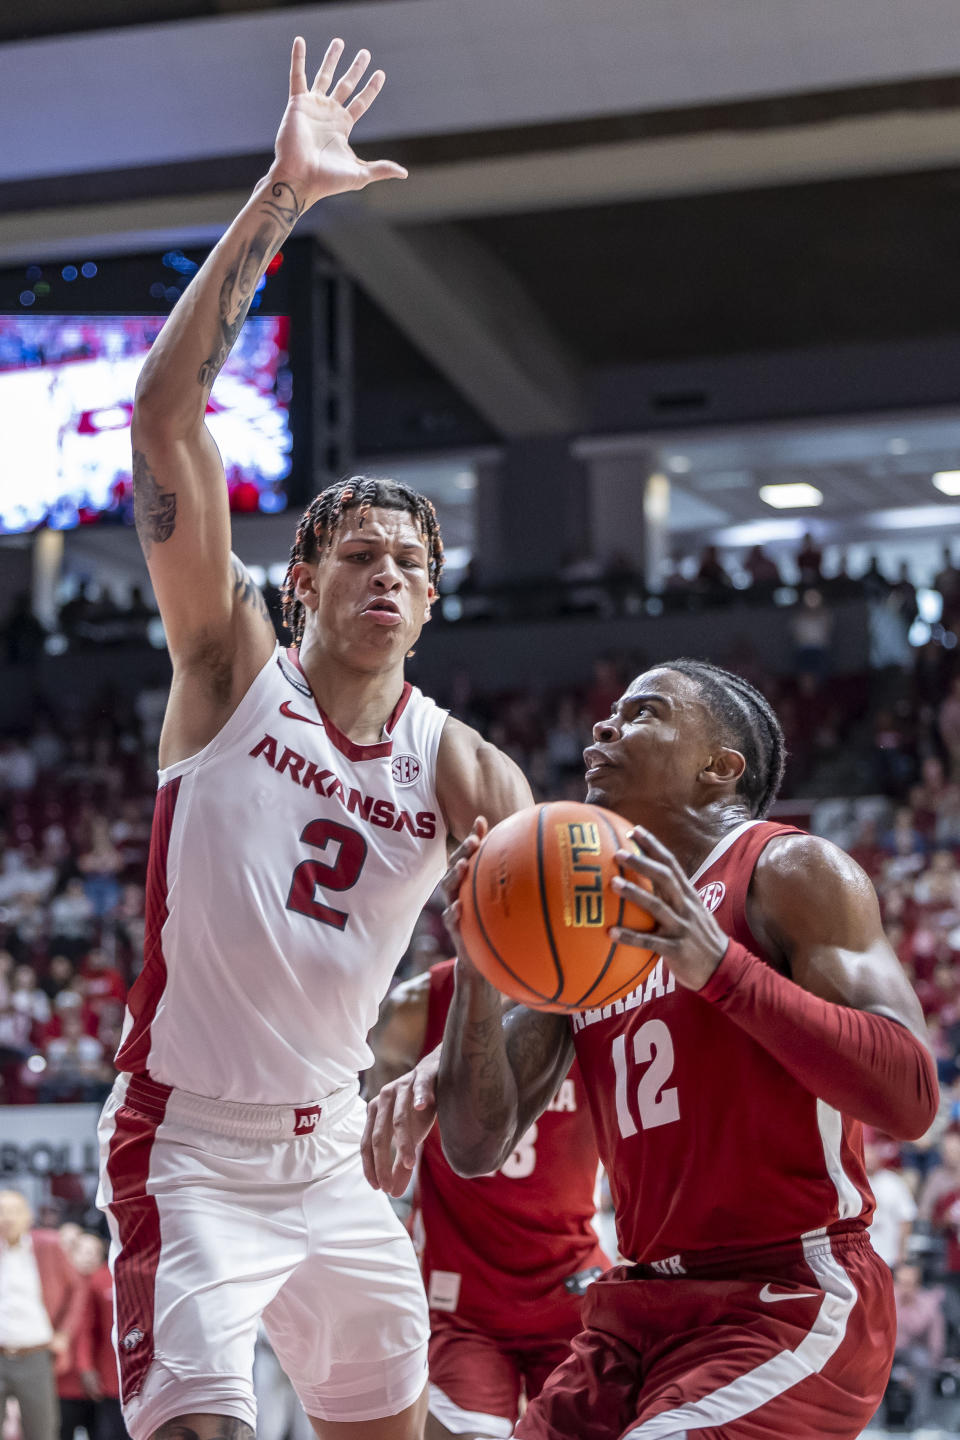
(799, 496)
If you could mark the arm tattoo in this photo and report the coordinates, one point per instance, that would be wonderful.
(486, 1073)
(224, 1427)
(284, 205)
(240, 282)
(246, 591)
(154, 510)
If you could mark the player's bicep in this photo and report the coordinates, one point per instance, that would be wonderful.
(475, 778)
(822, 914)
(540, 1051)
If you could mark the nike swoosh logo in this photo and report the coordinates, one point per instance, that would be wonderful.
(292, 715)
(770, 1296)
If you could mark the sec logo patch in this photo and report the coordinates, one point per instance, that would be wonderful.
(712, 894)
(405, 769)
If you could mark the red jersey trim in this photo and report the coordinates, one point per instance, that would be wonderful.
(138, 1225)
(134, 1052)
(347, 747)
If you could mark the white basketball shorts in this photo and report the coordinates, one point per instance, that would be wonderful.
(221, 1213)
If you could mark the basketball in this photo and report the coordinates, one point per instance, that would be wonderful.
(537, 903)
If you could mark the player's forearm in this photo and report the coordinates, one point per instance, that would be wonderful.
(476, 1088)
(190, 350)
(865, 1065)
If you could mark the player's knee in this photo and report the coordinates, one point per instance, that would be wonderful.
(204, 1427)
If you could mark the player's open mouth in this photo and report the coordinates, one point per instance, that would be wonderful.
(383, 612)
(594, 762)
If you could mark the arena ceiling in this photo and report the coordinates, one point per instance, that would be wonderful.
(620, 221)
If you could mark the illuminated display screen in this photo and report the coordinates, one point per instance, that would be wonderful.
(66, 397)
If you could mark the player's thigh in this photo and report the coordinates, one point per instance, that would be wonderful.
(475, 1382)
(350, 1324)
(538, 1363)
(407, 1425)
(592, 1395)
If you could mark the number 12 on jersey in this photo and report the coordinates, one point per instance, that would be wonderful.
(655, 1105)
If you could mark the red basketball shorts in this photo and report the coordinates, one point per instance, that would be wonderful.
(795, 1343)
(476, 1379)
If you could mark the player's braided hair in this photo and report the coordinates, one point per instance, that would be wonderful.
(319, 522)
(751, 725)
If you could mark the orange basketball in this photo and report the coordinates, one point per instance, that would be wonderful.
(537, 905)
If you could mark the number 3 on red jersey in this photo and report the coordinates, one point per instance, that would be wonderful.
(653, 1047)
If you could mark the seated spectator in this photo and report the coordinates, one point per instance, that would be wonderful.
(921, 1340)
(896, 1209)
(937, 889)
(100, 865)
(104, 984)
(58, 977)
(947, 582)
(943, 1179)
(27, 996)
(76, 1064)
(72, 919)
(903, 596)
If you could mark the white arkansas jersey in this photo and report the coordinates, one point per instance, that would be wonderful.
(287, 869)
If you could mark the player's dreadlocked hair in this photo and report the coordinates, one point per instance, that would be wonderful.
(751, 725)
(319, 522)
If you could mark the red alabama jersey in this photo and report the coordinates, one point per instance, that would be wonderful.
(708, 1142)
(508, 1251)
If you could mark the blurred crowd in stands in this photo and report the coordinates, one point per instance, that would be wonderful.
(76, 798)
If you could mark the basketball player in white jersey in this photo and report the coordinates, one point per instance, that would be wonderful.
(306, 798)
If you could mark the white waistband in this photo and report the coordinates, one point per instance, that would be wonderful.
(232, 1117)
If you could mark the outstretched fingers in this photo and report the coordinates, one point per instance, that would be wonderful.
(298, 67)
(324, 76)
(361, 102)
(350, 78)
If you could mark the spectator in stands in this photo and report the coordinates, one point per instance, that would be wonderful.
(764, 573)
(947, 583)
(78, 1407)
(22, 636)
(27, 996)
(72, 919)
(841, 584)
(38, 1312)
(100, 865)
(921, 1339)
(712, 584)
(810, 562)
(58, 977)
(76, 1065)
(96, 1361)
(943, 1179)
(903, 596)
(948, 724)
(104, 983)
(896, 1209)
(812, 629)
(873, 583)
(18, 768)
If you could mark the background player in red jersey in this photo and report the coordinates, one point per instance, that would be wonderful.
(506, 1257)
(727, 1094)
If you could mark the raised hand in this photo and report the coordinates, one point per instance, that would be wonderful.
(686, 934)
(313, 150)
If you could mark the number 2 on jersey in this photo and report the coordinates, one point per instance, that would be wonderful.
(342, 874)
(653, 1047)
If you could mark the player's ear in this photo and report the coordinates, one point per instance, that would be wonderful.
(431, 596)
(305, 584)
(724, 766)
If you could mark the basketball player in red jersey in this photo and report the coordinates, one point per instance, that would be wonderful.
(506, 1257)
(305, 800)
(728, 1094)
